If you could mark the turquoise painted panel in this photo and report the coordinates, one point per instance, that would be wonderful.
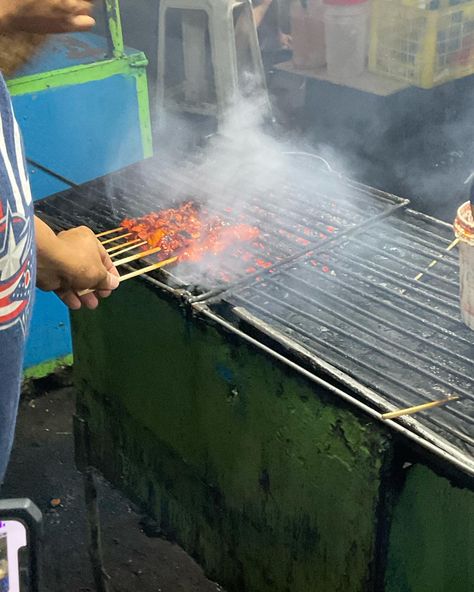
(50, 333)
(68, 50)
(43, 184)
(82, 132)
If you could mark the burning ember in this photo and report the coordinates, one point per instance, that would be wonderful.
(188, 232)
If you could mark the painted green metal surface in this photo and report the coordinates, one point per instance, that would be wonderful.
(268, 482)
(114, 23)
(432, 536)
(271, 483)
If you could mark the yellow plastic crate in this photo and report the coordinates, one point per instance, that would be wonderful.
(424, 44)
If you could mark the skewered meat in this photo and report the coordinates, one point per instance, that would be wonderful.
(188, 231)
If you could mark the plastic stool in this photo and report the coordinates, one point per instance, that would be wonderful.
(219, 56)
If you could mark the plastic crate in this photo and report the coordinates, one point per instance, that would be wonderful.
(423, 44)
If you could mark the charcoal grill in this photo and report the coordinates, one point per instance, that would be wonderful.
(355, 312)
(337, 290)
(300, 217)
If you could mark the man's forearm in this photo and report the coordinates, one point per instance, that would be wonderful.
(260, 11)
(48, 251)
(45, 237)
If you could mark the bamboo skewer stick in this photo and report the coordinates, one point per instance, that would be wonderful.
(127, 249)
(148, 269)
(136, 243)
(116, 238)
(435, 261)
(136, 273)
(418, 408)
(137, 256)
(107, 232)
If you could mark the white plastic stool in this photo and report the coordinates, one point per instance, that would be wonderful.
(214, 73)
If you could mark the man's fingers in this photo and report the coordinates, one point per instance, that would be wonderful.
(70, 299)
(110, 282)
(113, 277)
(106, 259)
(80, 22)
(90, 301)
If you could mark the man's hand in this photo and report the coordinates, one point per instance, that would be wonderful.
(73, 261)
(286, 41)
(46, 16)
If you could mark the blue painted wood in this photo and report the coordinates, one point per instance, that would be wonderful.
(82, 132)
(65, 51)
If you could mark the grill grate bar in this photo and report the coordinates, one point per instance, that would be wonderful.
(400, 280)
(380, 320)
(361, 340)
(413, 266)
(231, 199)
(401, 311)
(434, 250)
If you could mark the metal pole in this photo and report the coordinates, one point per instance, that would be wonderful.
(114, 28)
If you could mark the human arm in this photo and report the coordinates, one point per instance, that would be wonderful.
(46, 16)
(72, 261)
(260, 11)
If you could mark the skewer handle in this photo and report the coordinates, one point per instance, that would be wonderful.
(107, 232)
(123, 247)
(137, 256)
(116, 238)
(148, 269)
(136, 273)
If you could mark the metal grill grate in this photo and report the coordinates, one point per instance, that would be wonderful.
(357, 308)
(301, 210)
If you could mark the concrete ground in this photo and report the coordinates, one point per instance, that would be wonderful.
(42, 468)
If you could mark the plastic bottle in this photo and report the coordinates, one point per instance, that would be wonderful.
(307, 30)
(347, 28)
(464, 230)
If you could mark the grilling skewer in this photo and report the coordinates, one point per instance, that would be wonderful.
(155, 266)
(136, 243)
(108, 232)
(418, 408)
(137, 256)
(127, 249)
(116, 238)
(136, 273)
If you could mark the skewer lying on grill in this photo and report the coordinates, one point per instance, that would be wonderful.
(137, 273)
(418, 408)
(435, 261)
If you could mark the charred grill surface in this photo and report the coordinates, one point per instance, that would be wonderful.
(357, 307)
